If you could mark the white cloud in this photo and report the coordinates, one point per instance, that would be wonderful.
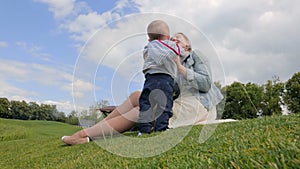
(60, 8)
(80, 87)
(14, 93)
(21, 44)
(83, 94)
(14, 72)
(119, 44)
(3, 44)
(85, 22)
(262, 35)
(254, 40)
(85, 25)
(49, 76)
(244, 67)
(59, 80)
(64, 106)
(34, 51)
(24, 72)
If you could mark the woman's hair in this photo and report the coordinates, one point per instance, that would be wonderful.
(188, 46)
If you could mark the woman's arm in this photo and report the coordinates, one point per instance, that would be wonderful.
(180, 67)
(196, 71)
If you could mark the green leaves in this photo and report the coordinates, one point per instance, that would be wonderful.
(243, 101)
(292, 94)
(253, 100)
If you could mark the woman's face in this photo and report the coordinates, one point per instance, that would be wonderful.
(178, 38)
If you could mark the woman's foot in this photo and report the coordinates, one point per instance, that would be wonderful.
(72, 141)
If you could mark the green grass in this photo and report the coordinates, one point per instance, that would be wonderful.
(271, 142)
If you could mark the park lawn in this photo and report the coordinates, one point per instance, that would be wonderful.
(270, 142)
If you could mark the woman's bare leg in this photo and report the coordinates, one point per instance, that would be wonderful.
(130, 103)
(115, 125)
(121, 119)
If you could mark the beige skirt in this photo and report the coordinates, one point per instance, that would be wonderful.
(187, 111)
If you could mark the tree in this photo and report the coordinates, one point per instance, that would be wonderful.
(5, 108)
(220, 107)
(292, 93)
(100, 104)
(243, 101)
(58, 116)
(29, 111)
(20, 110)
(73, 118)
(234, 100)
(47, 111)
(34, 111)
(92, 114)
(255, 95)
(273, 96)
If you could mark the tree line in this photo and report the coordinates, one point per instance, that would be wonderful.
(241, 101)
(252, 100)
(30, 111)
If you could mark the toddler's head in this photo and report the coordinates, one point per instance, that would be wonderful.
(158, 30)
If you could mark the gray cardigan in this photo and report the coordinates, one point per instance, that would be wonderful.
(199, 80)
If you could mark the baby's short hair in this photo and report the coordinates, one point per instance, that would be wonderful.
(158, 29)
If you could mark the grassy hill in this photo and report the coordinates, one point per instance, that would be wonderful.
(271, 142)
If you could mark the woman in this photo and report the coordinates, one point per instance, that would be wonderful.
(197, 96)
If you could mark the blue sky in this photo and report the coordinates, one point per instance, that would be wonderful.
(72, 53)
(32, 36)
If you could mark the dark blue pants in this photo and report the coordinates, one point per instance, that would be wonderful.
(156, 102)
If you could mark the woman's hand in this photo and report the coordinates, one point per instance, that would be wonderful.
(177, 60)
(180, 67)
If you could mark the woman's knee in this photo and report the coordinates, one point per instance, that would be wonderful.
(134, 98)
